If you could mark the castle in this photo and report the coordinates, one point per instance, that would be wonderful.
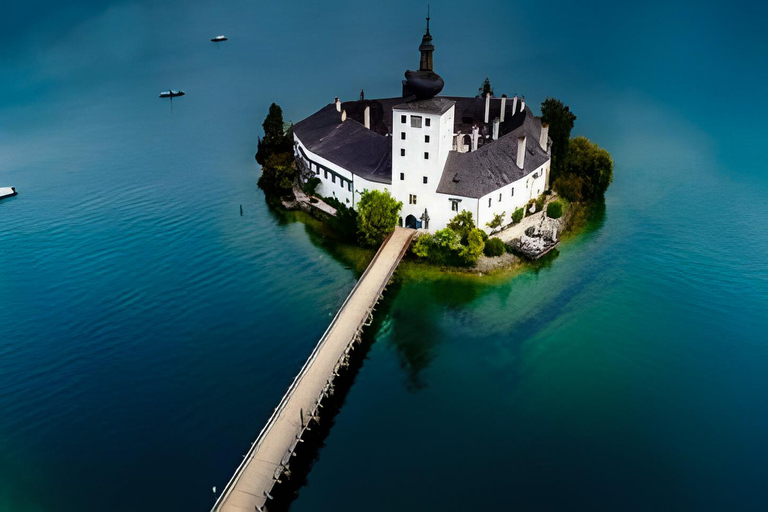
(439, 155)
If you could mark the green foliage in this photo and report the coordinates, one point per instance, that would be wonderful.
(462, 224)
(485, 88)
(560, 120)
(423, 245)
(540, 202)
(497, 221)
(593, 165)
(517, 215)
(473, 249)
(277, 174)
(494, 247)
(555, 210)
(377, 215)
(310, 187)
(570, 187)
(344, 224)
(277, 138)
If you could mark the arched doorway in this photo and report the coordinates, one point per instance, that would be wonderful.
(412, 222)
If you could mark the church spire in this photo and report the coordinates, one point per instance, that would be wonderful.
(426, 49)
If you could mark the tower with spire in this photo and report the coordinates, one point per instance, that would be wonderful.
(424, 83)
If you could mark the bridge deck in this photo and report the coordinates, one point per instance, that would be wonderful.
(249, 488)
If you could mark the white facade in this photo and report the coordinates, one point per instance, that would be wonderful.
(421, 142)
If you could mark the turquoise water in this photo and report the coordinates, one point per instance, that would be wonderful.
(148, 330)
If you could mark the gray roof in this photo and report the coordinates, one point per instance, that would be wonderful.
(368, 153)
(431, 106)
(494, 165)
(348, 144)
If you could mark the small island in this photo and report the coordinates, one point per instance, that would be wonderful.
(484, 182)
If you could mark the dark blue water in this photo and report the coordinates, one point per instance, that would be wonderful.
(148, 330)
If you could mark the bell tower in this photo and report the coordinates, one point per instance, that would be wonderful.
(426, 49)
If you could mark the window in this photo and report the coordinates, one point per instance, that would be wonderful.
(426, 155)
(513, 191)
(425, 179)
(426, 121)
(411, 198)
(402, 176)
(402, 152)
(454, 206)
(333, 178)
(499, 197)
(415, 121)
(402, 119)
(426, 138)
(326, 174)
(402, 135)
(350, 186)
(489, 202)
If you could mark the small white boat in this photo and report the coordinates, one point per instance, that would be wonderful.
(7, 192)
(218, 38)
(171, 94)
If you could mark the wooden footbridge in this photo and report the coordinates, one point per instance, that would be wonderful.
(269, 457)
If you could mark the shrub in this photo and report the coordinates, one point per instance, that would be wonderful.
(517, 216)
(462, 224)
(497, 221)
(474, 248)
(377, 215)
(311, 186)
(493, 247)
(540, 202)
(555, 210)
(484, 235)
(570, 187)
(422, 247)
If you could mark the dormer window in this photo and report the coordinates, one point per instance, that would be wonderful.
(415, 121)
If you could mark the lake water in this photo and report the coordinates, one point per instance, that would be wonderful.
(148, 329)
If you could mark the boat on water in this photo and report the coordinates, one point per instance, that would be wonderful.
(7, 192)
(171, 94)
(218, 38)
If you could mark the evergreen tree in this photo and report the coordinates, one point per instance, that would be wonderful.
(277, 139)
(560, 120)
(485, 88)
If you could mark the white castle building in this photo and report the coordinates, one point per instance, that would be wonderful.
(439, 155)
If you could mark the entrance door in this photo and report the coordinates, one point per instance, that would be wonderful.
(412, 222)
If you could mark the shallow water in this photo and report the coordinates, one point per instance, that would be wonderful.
(148, 330)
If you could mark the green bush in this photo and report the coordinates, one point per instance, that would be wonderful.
(377, 214)
(311, 186)
(540, 202)
(494, 247)
(517, 216)
(471, 252)
(462, 224)
(555, 210)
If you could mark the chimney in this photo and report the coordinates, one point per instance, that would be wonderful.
(503, 107)
(544, 136)
(496, 123)
(514, 105)
(522, 104)
(521, 152)
(475, 136)
(338, 104)
(487, 106)
(343, 115)
(367, 117)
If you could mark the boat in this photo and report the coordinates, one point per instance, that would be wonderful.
(171, 94)
(7, 192)
(218, 38)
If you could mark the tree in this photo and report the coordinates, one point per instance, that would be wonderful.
(471, 252)
(277, 174)
(497, 221)
(377, 214)
(462, 224)
(278, 138)
(485, 88)
(560, 120)
(518, 214)
(592, 164)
